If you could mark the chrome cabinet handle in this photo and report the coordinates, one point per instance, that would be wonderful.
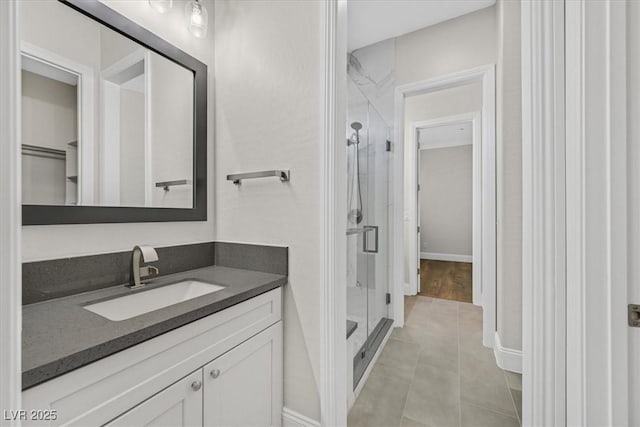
(215, 373)
(195, 386)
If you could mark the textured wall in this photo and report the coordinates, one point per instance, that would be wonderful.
(268, 110)
(446, 203)
(454, 45)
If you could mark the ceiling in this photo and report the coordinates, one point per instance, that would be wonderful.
(371, 21)
(449, 135)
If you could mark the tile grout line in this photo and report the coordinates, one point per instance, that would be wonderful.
(404, 407)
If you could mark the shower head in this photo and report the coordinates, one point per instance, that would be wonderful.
(355, 126)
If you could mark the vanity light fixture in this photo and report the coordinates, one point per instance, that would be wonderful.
(197, 19)
(161, 5)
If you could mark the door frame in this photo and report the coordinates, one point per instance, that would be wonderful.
(574, 213)
(598, 367)
(477, 194)
(544, 215)
(332, 381)
(486, 75)
(10, 212)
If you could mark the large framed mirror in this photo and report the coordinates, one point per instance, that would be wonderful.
(114, 119)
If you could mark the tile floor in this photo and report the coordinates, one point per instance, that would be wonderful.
(436, 372)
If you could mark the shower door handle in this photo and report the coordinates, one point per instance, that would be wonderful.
(365, 246)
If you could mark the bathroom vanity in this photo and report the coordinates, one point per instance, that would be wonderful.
(198, 344)
(215, 359)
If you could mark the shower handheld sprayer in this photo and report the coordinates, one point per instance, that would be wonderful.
(355, 126)
(355, 214)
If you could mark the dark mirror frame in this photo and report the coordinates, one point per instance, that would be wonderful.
(57, 214)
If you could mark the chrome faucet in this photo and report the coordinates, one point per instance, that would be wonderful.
(146, 254)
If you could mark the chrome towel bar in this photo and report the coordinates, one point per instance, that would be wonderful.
(167, 184)
(282, 174)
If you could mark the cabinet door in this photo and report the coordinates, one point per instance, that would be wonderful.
(178, 405)
(243, 387)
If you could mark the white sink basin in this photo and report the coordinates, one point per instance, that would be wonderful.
(133, 305)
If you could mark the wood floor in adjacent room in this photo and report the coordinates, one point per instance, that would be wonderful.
(446, 280)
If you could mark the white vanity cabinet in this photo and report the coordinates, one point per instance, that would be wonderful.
(222, 370)
(239, 385)
(180, 405)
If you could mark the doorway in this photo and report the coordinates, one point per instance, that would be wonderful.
(405, 171)
(448, 208)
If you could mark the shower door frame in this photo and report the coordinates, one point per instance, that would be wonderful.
(377, 167)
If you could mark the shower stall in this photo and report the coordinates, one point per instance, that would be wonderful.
(368, 162)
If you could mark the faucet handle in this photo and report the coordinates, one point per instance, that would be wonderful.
(149, 270)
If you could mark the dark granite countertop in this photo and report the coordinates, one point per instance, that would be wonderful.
(59, 335)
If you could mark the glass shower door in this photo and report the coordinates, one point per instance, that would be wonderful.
(367, 242)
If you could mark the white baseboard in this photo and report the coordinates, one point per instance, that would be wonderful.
(446, 257)
(507, 358)
(409, 290)
(295, 419)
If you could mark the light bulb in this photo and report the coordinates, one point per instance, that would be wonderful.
(161, 5)
(197, 18)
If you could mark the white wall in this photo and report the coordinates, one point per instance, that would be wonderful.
(443, 103)
(132, 171)
(49, 242)
(509, 176)
(268, 116)
(454, 45)
(446, 206)
(49, 112)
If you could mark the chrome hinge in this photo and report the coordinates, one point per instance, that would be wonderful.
(388, 145)
(418, 229)
(418, 271)
(388, 298)
(634, 315)
(418, 187)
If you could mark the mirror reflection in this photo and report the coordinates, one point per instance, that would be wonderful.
(105, 121)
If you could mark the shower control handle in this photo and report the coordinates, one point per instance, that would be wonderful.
(365, 245)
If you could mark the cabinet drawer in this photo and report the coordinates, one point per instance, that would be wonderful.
(99, 392)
